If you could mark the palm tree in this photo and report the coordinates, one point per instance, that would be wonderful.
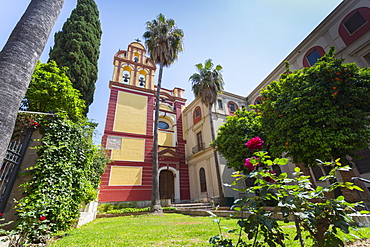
(206, 85)
(18, 60)
(164, 42)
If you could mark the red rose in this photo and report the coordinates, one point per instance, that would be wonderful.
(254, 143)
(42, 218)
(268, 179)
(249, 164)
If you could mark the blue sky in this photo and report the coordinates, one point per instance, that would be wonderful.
(249, 38)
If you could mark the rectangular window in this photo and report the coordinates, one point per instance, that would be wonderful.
(197, 113)
(199, 141)
(354, 22)
(202, 178)
(232, 107)
(363, 160)
(313, 57)
(219, 102)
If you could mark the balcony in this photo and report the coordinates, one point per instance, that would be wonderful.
(198, 148)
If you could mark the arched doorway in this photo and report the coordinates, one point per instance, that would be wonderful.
(166, 184)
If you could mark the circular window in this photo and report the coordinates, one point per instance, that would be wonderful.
(163, 125)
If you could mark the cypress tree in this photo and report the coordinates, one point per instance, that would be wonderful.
(77, 46)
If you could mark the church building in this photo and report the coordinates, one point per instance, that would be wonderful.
(128, 134)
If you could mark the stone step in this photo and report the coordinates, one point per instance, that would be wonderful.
(194, 207)
(191, 204)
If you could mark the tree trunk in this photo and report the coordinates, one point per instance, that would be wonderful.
(18, 60)
(218, 173)
(156, 201)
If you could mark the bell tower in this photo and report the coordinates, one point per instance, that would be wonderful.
(133, 67)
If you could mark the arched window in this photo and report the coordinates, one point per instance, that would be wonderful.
(141, 81)
(202, 179)
(126, 77)
(258, 100)
(197, 114)
(354, 25)
(312, 55)
(232, 107)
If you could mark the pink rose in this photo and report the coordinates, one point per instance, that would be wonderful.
(249, 164)
(254, 143)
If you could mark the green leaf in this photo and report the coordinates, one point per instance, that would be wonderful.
(340, 198)
(364, 212)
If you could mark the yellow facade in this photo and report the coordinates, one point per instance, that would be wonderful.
(165, 139)
(125, 175)
(131, 113)
(132, 149)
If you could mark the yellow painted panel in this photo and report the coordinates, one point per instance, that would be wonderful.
(164, 106)
(165, 139)
(131, 113)
(132, 149)
(115, 71)
(125, 175)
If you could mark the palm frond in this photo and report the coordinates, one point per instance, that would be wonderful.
(207, 83)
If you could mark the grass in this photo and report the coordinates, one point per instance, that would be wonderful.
(167, 230)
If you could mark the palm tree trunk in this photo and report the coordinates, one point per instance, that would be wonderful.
(156, 202)
(218, 173)
(18, 60)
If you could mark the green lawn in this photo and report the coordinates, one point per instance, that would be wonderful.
(167, 230)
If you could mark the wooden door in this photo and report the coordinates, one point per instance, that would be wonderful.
(166, 185)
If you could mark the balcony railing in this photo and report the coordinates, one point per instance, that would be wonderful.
(198, 148)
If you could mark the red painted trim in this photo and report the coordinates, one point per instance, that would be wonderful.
(319, 49)
(126, 134)
(197, 119)
(350, 38)
(258, 98)
(228, 107)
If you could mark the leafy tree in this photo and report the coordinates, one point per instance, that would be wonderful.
(66, 174)
(164, 42)
(51, 90)
(233, 135)
(18, 59)
(206, 85)
(321, 112)
(77, 47)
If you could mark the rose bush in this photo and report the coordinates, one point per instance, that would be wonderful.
(320, 216)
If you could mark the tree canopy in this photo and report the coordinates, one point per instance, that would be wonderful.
(51, 90)
(321, 112)
(208, 82)
(77, 47)
(163, 40)
(234, 134)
